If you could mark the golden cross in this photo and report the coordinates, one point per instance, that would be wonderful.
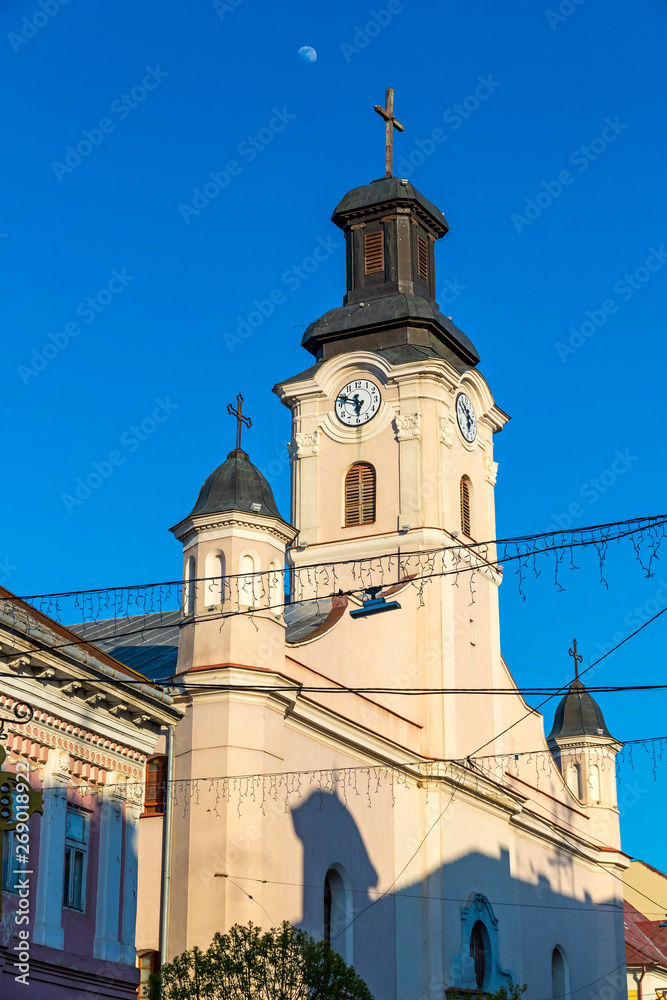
(577, 658)
(240, 419)
(391, 123)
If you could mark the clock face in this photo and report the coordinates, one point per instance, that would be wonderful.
(358, 402)
(465, 416)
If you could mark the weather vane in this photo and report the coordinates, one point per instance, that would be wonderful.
(240, 419)
(577, 658)
(391, 123)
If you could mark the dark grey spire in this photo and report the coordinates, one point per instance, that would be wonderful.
(236, 485)
(578, 714)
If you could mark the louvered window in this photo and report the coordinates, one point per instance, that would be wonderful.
(422, 257)
(465, 507)
(374, 252)
(360, 494)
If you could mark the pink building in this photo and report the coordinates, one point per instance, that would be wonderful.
(69, 885)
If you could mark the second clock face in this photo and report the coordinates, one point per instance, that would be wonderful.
(465, 416)
(357, 402)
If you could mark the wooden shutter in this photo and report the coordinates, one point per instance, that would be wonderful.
(422, 253)
(374, 252)
(465, 507)
(360, 494)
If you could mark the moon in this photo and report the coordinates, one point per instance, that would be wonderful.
(308, 53)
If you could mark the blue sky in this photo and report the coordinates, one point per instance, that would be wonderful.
(554, 190)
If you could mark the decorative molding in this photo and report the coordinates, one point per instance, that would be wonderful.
(358, 225)
(446, 431)
(307, 444)
(490, 471)
(408, 426)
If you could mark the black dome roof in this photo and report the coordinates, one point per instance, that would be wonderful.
(386, 189)
(578, 714)
(236, 485)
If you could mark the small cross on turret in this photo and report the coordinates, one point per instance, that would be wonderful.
(577, 658)
(240, 419)
(391, 123)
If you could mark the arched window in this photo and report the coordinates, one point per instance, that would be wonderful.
(337, 924)
(594, 783)
(560, 976)
(360, 494)
(466, 507)
(148, 962)
(189, 595)
(248, 583)
(478, 952)
(276, 598)
(215, 572)
(574, 780)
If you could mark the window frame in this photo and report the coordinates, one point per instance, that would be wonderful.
(465, 504)
(360, 507)
(155, 805)
(73, 846)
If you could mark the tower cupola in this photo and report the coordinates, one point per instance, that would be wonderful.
(585, 752)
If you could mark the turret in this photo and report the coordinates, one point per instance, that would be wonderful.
(585, 752)
(234, 542)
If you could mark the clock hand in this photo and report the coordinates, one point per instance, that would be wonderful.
(357, 404)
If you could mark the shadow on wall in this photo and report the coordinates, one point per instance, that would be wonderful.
(468, 925)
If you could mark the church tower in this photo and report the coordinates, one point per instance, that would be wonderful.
(392, 441)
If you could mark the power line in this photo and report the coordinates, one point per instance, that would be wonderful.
(565, 686)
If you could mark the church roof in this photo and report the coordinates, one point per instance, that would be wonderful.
(386, 190)
(578, 714)
(389, 312)
(236, 485)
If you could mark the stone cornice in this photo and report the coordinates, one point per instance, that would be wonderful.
(192, 526)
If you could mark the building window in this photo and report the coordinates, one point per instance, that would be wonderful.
(466, 506)
(215, 572)
(560, 987)
(422, 256)
(76, 859)
(149, 963)
(327, 909)
(360, 494)
(374, 252)
(574, 780)
(594, 783)
(189, 595)
(9, 862)
(478, 953)
(156, 776)
(248, 583)
(338, 914)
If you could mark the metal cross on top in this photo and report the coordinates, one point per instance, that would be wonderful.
(391, 123)
(240, 419)
(577, 658)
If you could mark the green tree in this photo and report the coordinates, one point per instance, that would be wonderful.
(245, 964)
